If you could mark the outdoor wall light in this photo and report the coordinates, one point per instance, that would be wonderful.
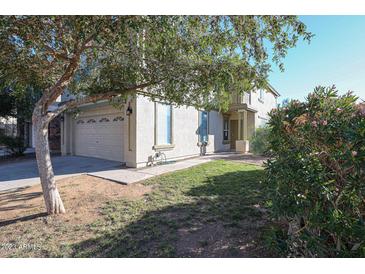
(129, 109)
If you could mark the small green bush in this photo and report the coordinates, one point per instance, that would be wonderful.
(260, 141)
(316, 177)
(15, 145)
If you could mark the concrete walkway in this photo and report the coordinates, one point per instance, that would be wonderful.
(25, 173)
(133, 175)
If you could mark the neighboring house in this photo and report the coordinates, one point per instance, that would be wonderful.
(8, 126)
(134, 133)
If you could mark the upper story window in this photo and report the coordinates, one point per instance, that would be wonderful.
(248, 101)
(203, 126)
(163, 124)
(262, 95)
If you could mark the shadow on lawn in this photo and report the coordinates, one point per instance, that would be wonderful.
(222, 217)
(17, 196)
(23, 219)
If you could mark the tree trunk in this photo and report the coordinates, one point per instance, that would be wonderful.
(54, 204)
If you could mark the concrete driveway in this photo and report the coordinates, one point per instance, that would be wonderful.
(25, 173)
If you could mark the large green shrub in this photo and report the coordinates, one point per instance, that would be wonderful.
(316, 176)
(259, 143)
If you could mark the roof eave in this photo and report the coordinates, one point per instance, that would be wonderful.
(273, 90)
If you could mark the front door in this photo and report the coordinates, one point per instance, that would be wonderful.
(233, 133)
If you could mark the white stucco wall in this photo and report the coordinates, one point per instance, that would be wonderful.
(139, 128)
(215, 129)
(184, 129)
(263, 107)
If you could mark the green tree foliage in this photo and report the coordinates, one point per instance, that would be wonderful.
(18, 104)
(317, 173)
(192, 60)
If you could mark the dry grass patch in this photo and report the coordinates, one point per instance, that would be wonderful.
(25, 228)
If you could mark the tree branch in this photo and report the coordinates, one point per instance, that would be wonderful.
(52, 93)
(57, 89)
(57, 54)
(92, 99)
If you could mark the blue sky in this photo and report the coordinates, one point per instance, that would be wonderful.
(336, 55)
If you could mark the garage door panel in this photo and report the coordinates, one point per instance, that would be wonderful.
(102, 138)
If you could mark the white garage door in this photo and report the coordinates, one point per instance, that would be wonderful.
(99, 136)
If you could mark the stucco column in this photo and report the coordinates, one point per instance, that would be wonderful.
(239, 126)
(242, 144)
(245, 129)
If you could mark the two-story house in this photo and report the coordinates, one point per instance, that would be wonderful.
(134, 133)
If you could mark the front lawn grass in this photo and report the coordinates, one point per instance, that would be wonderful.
(215, 209)
(212, 210)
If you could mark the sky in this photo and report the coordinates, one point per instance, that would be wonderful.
(335, 56)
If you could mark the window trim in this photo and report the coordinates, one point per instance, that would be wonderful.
(261, 95)
(157, 146)
(228, 140)
(208, 122)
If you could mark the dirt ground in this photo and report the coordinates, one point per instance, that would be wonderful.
(82, 195)
(23, 209)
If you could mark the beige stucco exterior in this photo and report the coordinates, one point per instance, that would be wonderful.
(184, 132)
(137, 131)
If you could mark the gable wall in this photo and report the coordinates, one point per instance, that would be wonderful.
(263, 107)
